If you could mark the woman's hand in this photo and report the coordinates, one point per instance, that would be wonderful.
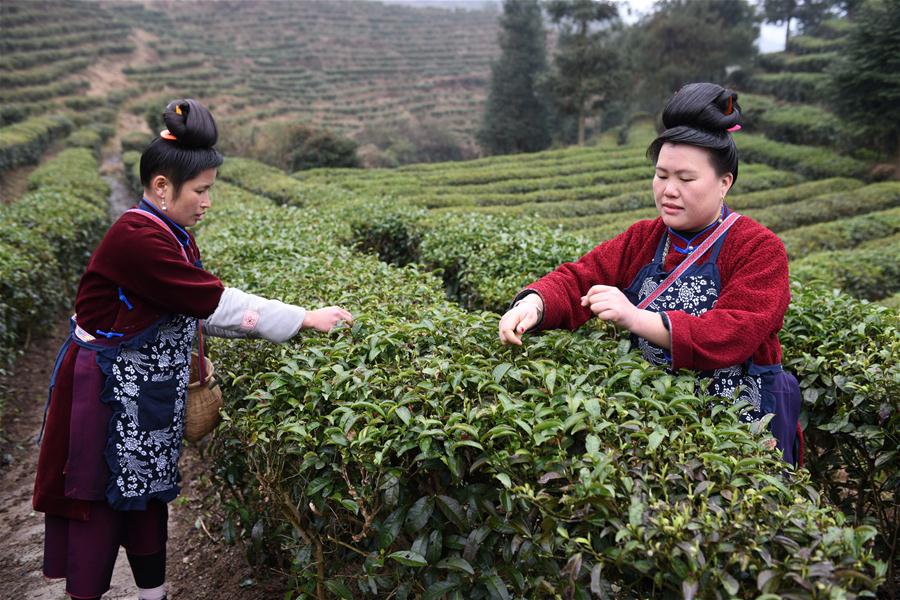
(325, 319)
(610, 304)
(520, 318)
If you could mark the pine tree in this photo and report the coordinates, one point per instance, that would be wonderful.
(808, 13)
(866, 82)
(691, 40)
(587, 74)
(515, 119)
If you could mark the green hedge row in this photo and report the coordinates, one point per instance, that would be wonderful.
(46, 238)
(806, 160)
(809, 125)
(842, 233)
(812, 63)
(791, 86)
(23, 143)
(639, 195)
(70, 40)
(136, 141)
(804, 44)
(412, 456)
(830, 207)
(43, 92)
(792, 193)
(43, 75)
(869, 271)
(268, 181)
(131, 162)
(91, 137)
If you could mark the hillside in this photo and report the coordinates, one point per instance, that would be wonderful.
(340, 65)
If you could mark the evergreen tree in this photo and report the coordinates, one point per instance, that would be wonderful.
(691, 40)
(866, 82)
(515, 119)
(587, 75)
(807, 13)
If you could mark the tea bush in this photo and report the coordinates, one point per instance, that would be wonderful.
(828, 207)
(869, 271)
(411, 455)
(46, 237)
(24, 142)
(846, 354)
(805, 44)
(842, 233)
(792, 193)
(806, 160)
(267, 181)
(859, 384)
(791, 86)
(812, 63)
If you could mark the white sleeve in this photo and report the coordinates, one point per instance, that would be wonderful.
(241, 315)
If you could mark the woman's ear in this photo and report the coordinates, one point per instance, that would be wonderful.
(727, 180)
(159, 185)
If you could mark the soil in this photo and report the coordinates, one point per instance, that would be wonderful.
(200, 566)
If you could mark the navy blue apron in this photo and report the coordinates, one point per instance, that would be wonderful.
(767, 388)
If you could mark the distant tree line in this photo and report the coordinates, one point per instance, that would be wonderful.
(601, 71)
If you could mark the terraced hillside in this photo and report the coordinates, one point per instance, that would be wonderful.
(342, 65)
(56, 82)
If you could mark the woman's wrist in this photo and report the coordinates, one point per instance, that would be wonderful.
(535, 300)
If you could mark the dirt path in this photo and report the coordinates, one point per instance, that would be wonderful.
(199, 565)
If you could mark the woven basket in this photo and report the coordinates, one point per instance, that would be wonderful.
(204, 399)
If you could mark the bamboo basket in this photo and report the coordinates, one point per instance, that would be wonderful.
(204, 400)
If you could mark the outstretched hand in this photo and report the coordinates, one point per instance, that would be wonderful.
(517, 321)
(325, 319)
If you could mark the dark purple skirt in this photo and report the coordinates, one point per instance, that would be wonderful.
(84, 552)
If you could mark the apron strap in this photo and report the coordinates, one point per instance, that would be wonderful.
(721, 230)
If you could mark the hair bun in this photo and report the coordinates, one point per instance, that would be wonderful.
(706, 106)
(191, 124)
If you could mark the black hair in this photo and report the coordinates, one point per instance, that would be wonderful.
(190, 152)
(700, 114)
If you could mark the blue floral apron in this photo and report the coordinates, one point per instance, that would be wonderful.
(146, 378)
(766, 388)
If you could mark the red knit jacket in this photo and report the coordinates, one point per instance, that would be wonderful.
(754, 295)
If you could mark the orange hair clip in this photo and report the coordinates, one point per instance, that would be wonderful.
(730, 108)
(177, 110)
(167, 135)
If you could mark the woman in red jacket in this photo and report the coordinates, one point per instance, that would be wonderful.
(115, 417)
(722, 314)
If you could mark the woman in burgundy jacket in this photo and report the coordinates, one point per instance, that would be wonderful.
(722, 314)
(112, 437)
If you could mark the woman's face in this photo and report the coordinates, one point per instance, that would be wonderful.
(193, 200)
(688, 192)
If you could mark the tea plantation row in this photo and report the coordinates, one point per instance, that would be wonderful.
(411, 453)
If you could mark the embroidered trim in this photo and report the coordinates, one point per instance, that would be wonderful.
(250, 319)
